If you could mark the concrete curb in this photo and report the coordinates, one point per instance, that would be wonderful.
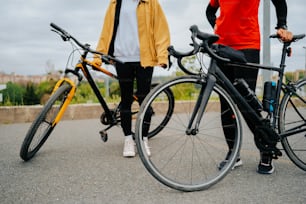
(24, 114)
(21, 114)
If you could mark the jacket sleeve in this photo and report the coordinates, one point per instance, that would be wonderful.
(281, 13)
(161, 35)
(106, 32)
(211, 14)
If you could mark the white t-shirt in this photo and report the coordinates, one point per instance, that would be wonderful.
(126, 47)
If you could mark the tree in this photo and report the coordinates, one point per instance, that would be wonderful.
(289, 76)
(84, 93)
(45, 87)
(30, 97)
(13, 94)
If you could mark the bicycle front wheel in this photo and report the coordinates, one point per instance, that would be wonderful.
(293, 117)
(183, 161)
(44, 124)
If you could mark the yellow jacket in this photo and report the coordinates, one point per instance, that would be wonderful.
(153, 31)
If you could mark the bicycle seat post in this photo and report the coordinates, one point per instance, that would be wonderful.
(285, 51)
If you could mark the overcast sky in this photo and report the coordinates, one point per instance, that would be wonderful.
(27, 43)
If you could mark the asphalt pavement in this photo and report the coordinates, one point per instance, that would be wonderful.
(75, 166)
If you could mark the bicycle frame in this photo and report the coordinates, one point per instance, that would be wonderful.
(215, 75)
(212, 110)
(82, 65)
(110, 116)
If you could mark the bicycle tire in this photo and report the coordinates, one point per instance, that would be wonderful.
(169, 103)
(293, 115)
(189, 162)
(43, 125)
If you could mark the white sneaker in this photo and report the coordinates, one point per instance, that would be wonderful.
(146, 145)
(129, 148)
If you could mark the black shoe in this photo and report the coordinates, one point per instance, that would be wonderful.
(224, 162)
(265, 165)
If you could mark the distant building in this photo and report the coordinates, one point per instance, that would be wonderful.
(16, 78)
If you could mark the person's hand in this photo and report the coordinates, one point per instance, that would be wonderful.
(284, 35)
(97, 61)
(164, 66)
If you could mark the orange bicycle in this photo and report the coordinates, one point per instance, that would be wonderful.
(64, 91)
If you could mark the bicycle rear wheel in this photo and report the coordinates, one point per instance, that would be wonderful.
(293, 117)
(161, 113)
(182, 161)
(44, 124)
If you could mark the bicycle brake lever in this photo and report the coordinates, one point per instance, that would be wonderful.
(169, 62)
(195, 45)
(64, 38)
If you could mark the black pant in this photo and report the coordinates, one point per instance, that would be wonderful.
(250, 76)
(127, 73)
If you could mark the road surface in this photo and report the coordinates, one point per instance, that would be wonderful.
(75, 166)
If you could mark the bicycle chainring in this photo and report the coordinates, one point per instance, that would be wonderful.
(103, 118)
(266, 141)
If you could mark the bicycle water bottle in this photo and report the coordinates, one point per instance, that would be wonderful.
(249, 95)
(269, 96)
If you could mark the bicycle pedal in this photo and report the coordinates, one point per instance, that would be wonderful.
(277, 154)
(103, 135)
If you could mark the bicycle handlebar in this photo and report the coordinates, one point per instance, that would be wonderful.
(66, 37)
(294, 37)
(206, 45)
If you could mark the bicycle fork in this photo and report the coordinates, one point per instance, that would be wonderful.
(67, 100)
(201, 104)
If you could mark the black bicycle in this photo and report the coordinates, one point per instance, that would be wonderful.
(65, 89)
(186, 153)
